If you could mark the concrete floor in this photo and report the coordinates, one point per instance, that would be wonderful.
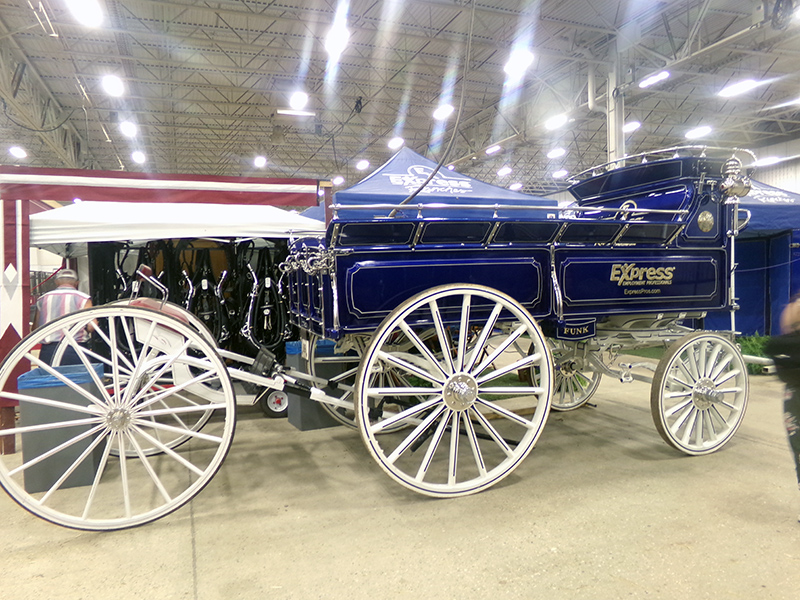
(602, 508)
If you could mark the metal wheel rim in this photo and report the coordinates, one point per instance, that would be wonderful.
(123, 490)
(699, 393)
(464, 439)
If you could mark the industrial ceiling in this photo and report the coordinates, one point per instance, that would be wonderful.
(204, 80)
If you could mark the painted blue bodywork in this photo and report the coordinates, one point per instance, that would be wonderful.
(604, 260)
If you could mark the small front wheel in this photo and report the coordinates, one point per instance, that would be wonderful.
(699, 393)
(274, 404)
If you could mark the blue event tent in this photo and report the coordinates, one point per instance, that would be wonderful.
(768, 257)
(403, 173)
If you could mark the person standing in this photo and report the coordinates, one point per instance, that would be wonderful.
(63, 300)
(790, 322)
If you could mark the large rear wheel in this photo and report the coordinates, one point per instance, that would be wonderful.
(115, 440)
(466, 419)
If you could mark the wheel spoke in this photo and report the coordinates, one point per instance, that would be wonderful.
(169, 451)
(513, 390)
(432, 447)
(68, 383)
(515, 366)
(455, 434)
(101, 469)
(67, 406)
(71, 469)
(726, 360)
(472, 436)
(81, 352)
(444, 341)
(404, 416)
(410, 368)
(498, 439)
(148, 467)
(420, 345)
(677, 408)
(418, 431)
(164, 427)
(463, 332)
(55, 450)
(505, 413)
(499, 350)
(483, 338)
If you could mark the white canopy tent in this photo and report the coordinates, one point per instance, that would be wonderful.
(66, 230)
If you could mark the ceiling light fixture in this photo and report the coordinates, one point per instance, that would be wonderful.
(17, 152)
(518, 62)
(560, 174)
(86, 12)
(260, 162)
(290, 112)
(504, 171)
(492, 149)
(396, 142)
(556, 153)
(515, 186)
(338, 180)
(362, 165)
(113, 85)
(298, 100)
(338, 35)
(443, 111)
(138, 157)
(765, 162)
(698, 132)
(128, 129)
(556, 122)
(631, 126)
(654, 79)
(741, 87)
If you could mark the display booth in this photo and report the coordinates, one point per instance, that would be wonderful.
(25, 191)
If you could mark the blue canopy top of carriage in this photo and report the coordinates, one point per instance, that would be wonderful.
(404, 172)
(772, 210)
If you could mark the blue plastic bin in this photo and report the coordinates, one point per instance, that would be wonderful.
(39, 383)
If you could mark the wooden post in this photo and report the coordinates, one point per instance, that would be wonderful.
(7, 445)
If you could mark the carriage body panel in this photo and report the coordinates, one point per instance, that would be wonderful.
(650, 238)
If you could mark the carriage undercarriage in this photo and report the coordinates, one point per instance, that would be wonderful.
(449, 388)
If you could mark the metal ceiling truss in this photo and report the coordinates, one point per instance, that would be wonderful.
(204, 81)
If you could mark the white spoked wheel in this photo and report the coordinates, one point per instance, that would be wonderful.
(575, 379)
(469, 418)
(338, 364)
(699, 393)
(116, 442)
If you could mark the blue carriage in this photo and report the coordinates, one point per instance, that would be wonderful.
(444, 328)
(448, 329)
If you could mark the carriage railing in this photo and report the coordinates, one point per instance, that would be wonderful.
(496, 208)
(644, 156)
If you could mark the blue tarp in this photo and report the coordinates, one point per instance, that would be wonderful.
(768, 271)
(402, 174)
(772, 210)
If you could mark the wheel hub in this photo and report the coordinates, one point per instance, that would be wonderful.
(118, 419)
(705, 394)
(460, 391)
